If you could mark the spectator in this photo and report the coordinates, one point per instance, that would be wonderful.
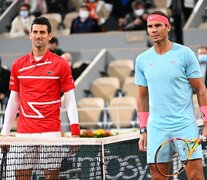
(38, 7)
(188, 6)
(84, 23)
(137, 20)
(202, 58)
(181, 11)
(53, 46)
(177, 12)
(20, 26)
(98, 10)
(68, 57)
(76, 71)
(4, 86)
(120, 8)
(92, 5)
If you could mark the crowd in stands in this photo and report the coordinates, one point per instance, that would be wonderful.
(88, 16)
(98, 15)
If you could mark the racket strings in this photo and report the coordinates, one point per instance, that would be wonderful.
(174, 154)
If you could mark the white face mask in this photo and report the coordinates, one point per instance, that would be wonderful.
(83, 14)
(24, 13)
(202, 58)
(139, 12)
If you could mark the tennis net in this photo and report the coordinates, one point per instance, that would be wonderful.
(111, 158)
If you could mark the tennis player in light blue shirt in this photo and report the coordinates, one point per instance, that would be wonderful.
(166, 75)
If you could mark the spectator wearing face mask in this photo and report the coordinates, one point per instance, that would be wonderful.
(92, 5)
(84, 23)
(20, 26)
(202, 58)
(38, 7)
(137, 20)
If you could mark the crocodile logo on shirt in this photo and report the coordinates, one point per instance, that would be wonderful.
(49, 72)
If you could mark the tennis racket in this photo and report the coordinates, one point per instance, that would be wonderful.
(173, 154)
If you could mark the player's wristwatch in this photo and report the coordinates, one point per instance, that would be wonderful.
(143, 130)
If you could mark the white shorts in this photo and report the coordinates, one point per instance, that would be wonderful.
(35, 156)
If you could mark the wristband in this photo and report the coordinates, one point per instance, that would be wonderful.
(75, 129)
(203, 110)
(143, 118)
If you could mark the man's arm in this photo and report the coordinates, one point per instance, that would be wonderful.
(142, 99)
(143, 113)
(71, 107)
(201, 92)
(10, 113)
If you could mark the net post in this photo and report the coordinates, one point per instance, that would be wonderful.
(102, 161)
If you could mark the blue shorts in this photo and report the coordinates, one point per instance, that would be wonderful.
(155, 137)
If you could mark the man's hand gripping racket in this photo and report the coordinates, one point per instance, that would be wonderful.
(173, 154)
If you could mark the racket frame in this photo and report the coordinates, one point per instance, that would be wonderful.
(190, 152)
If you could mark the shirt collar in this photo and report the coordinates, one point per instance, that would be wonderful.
(44, 58)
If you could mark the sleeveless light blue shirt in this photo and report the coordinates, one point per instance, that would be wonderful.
(170, 92)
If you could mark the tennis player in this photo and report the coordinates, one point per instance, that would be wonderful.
(36, 82)
(166, 75)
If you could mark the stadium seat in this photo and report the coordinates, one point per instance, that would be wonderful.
(55, 20)
(120, 68)
(77, 64)
(69, 18)
(89, 111)
(122, 110)
(5, 35)
(129, 88)
(160, 3)
(105, 87)
(203, 25)
(62, 32)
